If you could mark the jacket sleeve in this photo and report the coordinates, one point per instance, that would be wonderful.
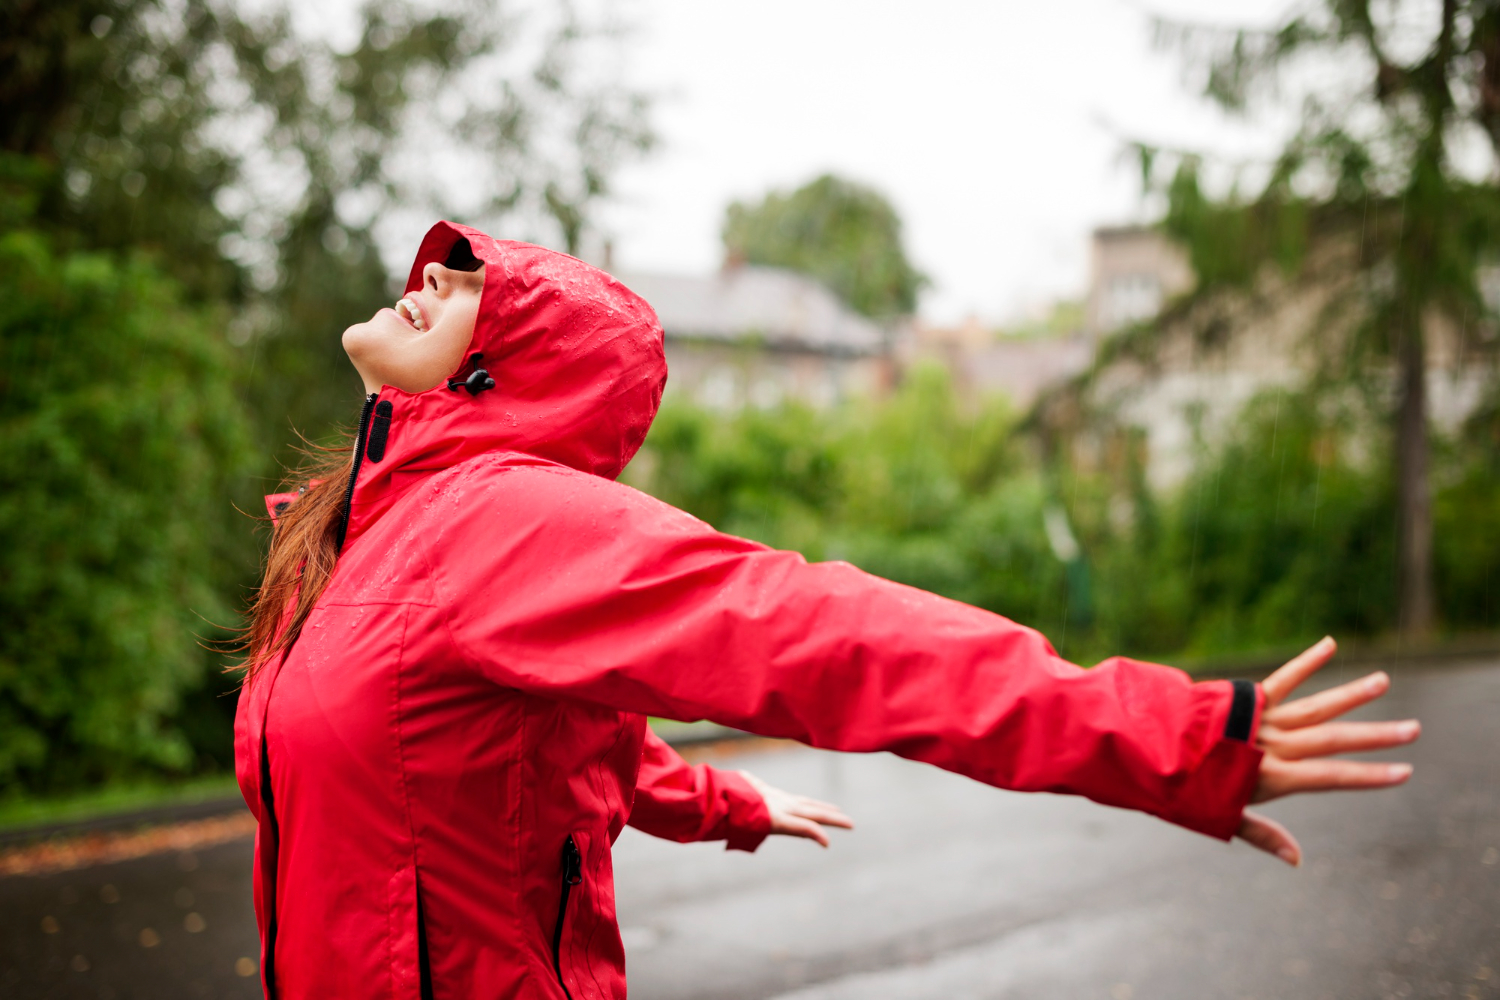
(564, 584)
(687, 803)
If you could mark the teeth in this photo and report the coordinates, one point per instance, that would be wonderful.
(407, 309)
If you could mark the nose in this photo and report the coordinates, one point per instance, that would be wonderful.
(436, 277)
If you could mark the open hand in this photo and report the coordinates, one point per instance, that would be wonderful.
(798, 815)
(1299, 737)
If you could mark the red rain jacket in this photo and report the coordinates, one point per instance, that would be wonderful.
(441, 762)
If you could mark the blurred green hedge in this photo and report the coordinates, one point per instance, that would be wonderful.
(121, 441)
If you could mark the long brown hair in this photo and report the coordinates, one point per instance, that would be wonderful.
(304, 549)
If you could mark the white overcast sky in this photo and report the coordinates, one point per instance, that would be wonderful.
(995, 127)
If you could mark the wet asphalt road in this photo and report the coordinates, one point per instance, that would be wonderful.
(947, 890)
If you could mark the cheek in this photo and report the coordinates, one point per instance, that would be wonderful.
(458, 334)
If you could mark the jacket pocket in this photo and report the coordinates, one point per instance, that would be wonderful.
(424, 961)
(570, 878)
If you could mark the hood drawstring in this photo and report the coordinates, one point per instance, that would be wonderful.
(478, 381)
(359, 454)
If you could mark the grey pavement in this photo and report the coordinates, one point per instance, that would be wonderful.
(947, 890)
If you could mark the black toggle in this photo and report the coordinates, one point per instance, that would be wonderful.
(478, 381)
(380, 431)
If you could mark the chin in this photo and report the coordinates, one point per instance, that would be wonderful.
(367, 342)
(384, 327)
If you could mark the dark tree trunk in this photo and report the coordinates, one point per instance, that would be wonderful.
(1416, 611)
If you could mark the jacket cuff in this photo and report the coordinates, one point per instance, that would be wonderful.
(749, 821)
(1212, 798)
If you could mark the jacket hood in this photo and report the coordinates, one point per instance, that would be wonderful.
(578, 366)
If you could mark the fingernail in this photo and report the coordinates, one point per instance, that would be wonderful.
(1377, 680)
(1409, 730)
(1289, 856)
(1399, 772)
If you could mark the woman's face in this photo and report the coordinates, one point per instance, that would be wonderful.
(416, 345)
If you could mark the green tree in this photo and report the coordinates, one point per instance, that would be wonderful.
(1382, 165)
(846, 235)
(121, 442)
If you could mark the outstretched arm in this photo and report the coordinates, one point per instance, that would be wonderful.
(678, 801)
(576, 587)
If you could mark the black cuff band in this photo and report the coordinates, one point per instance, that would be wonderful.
(1241, 712)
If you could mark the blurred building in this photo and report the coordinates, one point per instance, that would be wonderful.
(984, 362)
(755, 336)
(1134, 272)
(1161, 392)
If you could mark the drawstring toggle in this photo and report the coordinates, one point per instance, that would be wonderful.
(478, 381)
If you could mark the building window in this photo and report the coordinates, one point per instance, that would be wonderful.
(1130, 298)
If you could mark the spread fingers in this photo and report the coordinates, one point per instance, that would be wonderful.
(1337, 737)
(1287, 777)
(822, 812)
(1298, 669)
(1329, 704)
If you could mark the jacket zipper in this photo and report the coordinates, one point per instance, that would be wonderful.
(572, 874)
(359, 457)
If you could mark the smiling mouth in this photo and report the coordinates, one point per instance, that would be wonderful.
(408, 310)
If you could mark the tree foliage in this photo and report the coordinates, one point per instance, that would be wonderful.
(121, 440)
(1393, 158)
(846, 235)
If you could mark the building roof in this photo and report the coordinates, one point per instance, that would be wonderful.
(747, 303)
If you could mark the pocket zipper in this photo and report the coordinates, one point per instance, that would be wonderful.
(572, 874)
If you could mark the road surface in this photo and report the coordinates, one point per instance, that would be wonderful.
(946, 890)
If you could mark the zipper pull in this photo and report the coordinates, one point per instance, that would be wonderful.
(572, 862)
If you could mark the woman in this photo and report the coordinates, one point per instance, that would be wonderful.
(462, 629)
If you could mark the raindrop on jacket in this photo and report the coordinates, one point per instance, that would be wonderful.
(440, 763)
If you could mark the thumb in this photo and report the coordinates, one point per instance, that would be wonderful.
(1271, 837)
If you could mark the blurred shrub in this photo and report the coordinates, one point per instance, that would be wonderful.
(1466, 516)
(1283, 533)
(120, 435)
(915, 488)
